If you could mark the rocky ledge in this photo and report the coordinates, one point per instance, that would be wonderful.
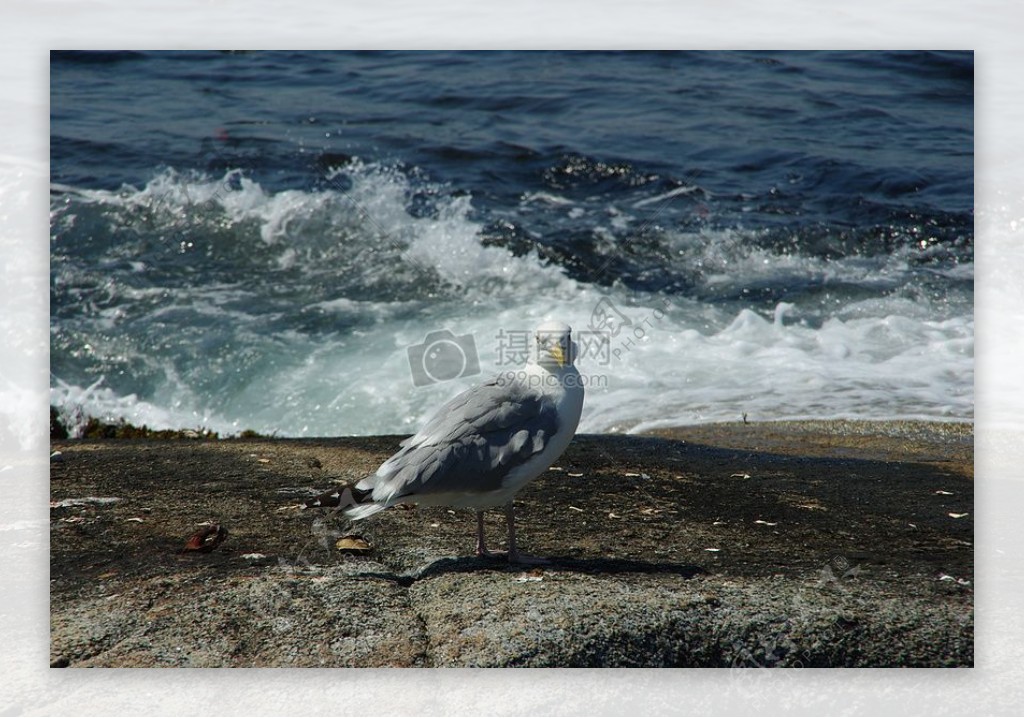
(746, 545)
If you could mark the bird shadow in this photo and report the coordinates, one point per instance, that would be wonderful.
(588, 566)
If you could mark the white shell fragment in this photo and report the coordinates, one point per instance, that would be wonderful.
(85, 501)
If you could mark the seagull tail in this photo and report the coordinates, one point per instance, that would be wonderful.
(346, 498)
(361, 511)
(357, 502)
(354, 500)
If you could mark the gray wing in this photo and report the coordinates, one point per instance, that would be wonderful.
(471, 444)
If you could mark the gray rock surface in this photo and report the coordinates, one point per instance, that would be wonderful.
(785, 544)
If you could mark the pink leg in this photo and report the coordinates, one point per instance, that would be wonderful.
(481, 543)
(513, 553)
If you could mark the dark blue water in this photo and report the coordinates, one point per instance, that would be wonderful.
(211, 210)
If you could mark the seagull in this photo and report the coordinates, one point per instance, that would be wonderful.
(482, 447)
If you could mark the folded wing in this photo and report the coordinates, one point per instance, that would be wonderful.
(470, 445)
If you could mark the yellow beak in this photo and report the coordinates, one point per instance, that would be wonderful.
(558, 354)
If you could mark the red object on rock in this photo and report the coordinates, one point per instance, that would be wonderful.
(207, 539)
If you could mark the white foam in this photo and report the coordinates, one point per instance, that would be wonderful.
(678, 191)
(659, 372)
(669, 362)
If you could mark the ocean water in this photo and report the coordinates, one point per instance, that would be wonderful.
(318, 244)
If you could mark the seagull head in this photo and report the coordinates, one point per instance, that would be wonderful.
(553, 345)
